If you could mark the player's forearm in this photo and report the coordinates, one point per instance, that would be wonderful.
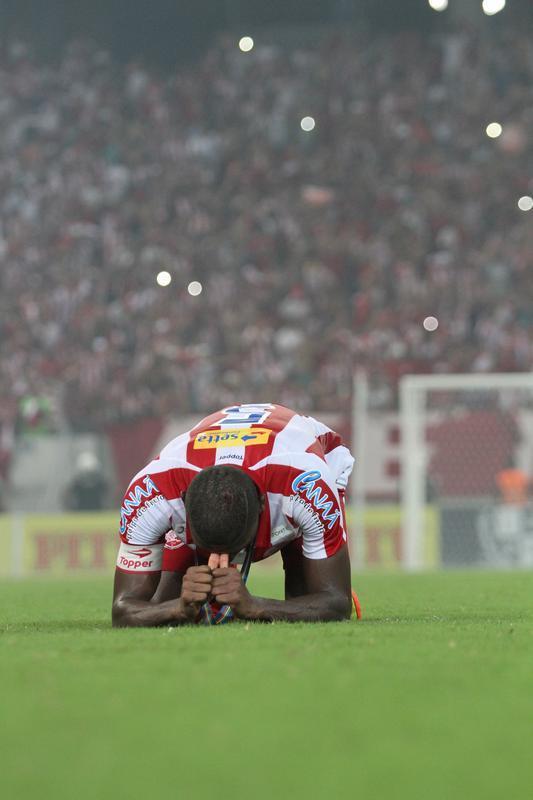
(307, 608)
(130, 613)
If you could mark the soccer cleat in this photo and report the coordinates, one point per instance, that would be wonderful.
(356, 606)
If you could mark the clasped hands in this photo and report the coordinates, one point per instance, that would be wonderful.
(215, 580)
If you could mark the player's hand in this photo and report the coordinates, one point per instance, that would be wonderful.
(228, 588)
(196, 588)
(218, 560)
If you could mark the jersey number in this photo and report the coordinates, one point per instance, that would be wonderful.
(245, 415)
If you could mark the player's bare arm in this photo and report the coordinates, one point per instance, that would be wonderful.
(327, 597)
(169, 587)
(136, 604)
(295, 585)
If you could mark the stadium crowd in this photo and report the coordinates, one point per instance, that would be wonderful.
(317, 252)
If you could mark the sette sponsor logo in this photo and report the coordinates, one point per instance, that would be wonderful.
(242, 437)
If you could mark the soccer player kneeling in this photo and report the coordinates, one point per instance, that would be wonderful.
(246, 482)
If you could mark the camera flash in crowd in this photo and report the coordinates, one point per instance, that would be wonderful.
(525, 203)
(493, 130)
(307, 124)
(430, 323)
(491, 7)
(194, 288)
(163, 278)
(438, 5)
(246, 44)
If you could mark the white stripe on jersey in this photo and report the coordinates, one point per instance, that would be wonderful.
(306, 518)
(281, 530)
(297, 435)
(163, 465)
(230, 455)
(319, 428)
(340, 461)
(176, 445)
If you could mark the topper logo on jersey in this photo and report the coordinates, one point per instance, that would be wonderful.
(305, 484)
(132, 558)
(244, 437)
(137, 497)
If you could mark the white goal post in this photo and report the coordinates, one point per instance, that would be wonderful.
(512, 392)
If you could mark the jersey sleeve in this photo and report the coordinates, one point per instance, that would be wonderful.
(318, 511)
(337, 455)
(145, 518)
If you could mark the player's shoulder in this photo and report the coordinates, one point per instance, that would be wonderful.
(283, 471)
(176, 448)
(292, 432)
(165, 475)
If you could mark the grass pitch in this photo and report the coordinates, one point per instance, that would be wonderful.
(431, 696)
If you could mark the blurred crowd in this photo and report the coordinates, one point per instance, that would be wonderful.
(318, 252)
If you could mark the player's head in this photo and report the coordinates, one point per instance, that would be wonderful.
(223, 506)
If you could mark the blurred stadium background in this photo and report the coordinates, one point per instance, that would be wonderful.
(322, 204)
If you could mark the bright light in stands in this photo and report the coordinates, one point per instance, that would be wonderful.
(438, 5)
(491, 7)
(246, 44)
(194, 288)
(525, 203)
(307, 123)
(164, 278)
(493, 130)
(430, 323)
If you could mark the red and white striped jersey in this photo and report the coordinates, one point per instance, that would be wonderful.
(299, 465)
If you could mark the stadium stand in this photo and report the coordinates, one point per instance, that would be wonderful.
(316, 251)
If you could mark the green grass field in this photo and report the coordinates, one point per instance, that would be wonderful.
(431, 696)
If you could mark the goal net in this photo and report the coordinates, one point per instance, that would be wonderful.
(467, 455)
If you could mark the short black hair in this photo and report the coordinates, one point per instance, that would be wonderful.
(223, 507)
